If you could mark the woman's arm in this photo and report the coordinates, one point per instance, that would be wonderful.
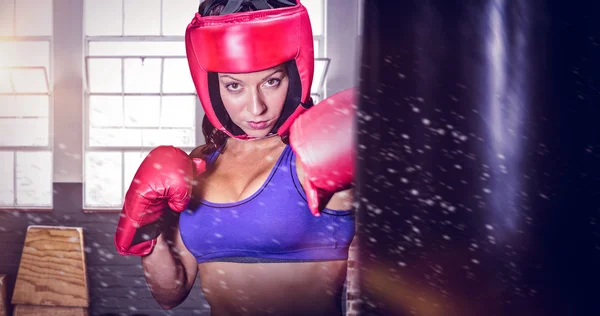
(170, 269)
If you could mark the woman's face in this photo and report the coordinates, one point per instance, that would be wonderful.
(255, 100)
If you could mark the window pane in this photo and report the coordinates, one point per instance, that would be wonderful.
(177, 77)
(141, 48)
(132, 163)
(316, 98)
(25, 54)
(6, 20)
(108, 137)
(103, 17)
(34, 18)
(170, 136)
(131, 137)
(24, 132)
(102, 176)
(142, 17)
(34, 178)
(142, 111)
(316, 45)
(7, 192)
(106, 111)
(177, 15)
(24, 105)
(178, 111)
(315, 12)
(104, 75)
(29, 80)
(142, 75)
(320, 67)
(5, 82)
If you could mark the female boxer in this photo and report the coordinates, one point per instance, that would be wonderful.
(269, 223)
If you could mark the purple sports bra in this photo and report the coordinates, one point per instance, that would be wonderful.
(272, 225)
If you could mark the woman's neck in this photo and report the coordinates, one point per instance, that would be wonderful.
(243, 146)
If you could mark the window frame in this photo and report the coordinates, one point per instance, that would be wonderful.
(123, 150)
(48, 72)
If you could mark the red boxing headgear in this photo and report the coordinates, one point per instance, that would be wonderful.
(248, 42)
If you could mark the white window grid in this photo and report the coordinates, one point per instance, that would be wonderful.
(16, 150)
(319, 41)
(125, 150)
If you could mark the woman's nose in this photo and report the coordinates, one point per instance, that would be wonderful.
(257, 105)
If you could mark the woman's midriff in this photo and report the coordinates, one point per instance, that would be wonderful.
(306, 288)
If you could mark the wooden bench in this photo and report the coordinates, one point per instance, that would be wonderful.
(52, 278)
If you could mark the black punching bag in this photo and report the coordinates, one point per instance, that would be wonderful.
(479, 157)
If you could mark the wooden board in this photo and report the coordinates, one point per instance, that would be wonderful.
(3, 295)
(29, 310)
(52, 270)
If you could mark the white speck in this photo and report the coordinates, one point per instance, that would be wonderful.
(416, 230)
(475, 261)
(414, 192)
(218, 235)
(489, 227)
(426, 121)
(446, 237)
(486, 190)
(402, 264)
(371, 239)
(501, 156)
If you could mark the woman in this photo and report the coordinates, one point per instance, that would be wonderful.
(248, 231)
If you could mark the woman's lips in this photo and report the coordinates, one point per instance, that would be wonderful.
(257, 125)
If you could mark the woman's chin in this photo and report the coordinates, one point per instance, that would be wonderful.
(260, 135)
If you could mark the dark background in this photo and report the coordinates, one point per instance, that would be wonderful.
(514, 229)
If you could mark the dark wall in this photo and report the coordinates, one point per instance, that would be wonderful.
(116, 283)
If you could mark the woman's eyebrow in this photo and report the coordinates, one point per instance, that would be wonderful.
(274, 72)
(230, 77)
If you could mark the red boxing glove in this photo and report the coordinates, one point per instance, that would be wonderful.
(324, 141)
(164, 179)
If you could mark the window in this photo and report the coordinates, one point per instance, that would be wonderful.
(25, 104)
(139, 93)
(316, 12)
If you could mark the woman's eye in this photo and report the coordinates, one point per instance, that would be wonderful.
(273, 82)
(233, 86)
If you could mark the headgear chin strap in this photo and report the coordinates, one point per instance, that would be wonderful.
(248, 42)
